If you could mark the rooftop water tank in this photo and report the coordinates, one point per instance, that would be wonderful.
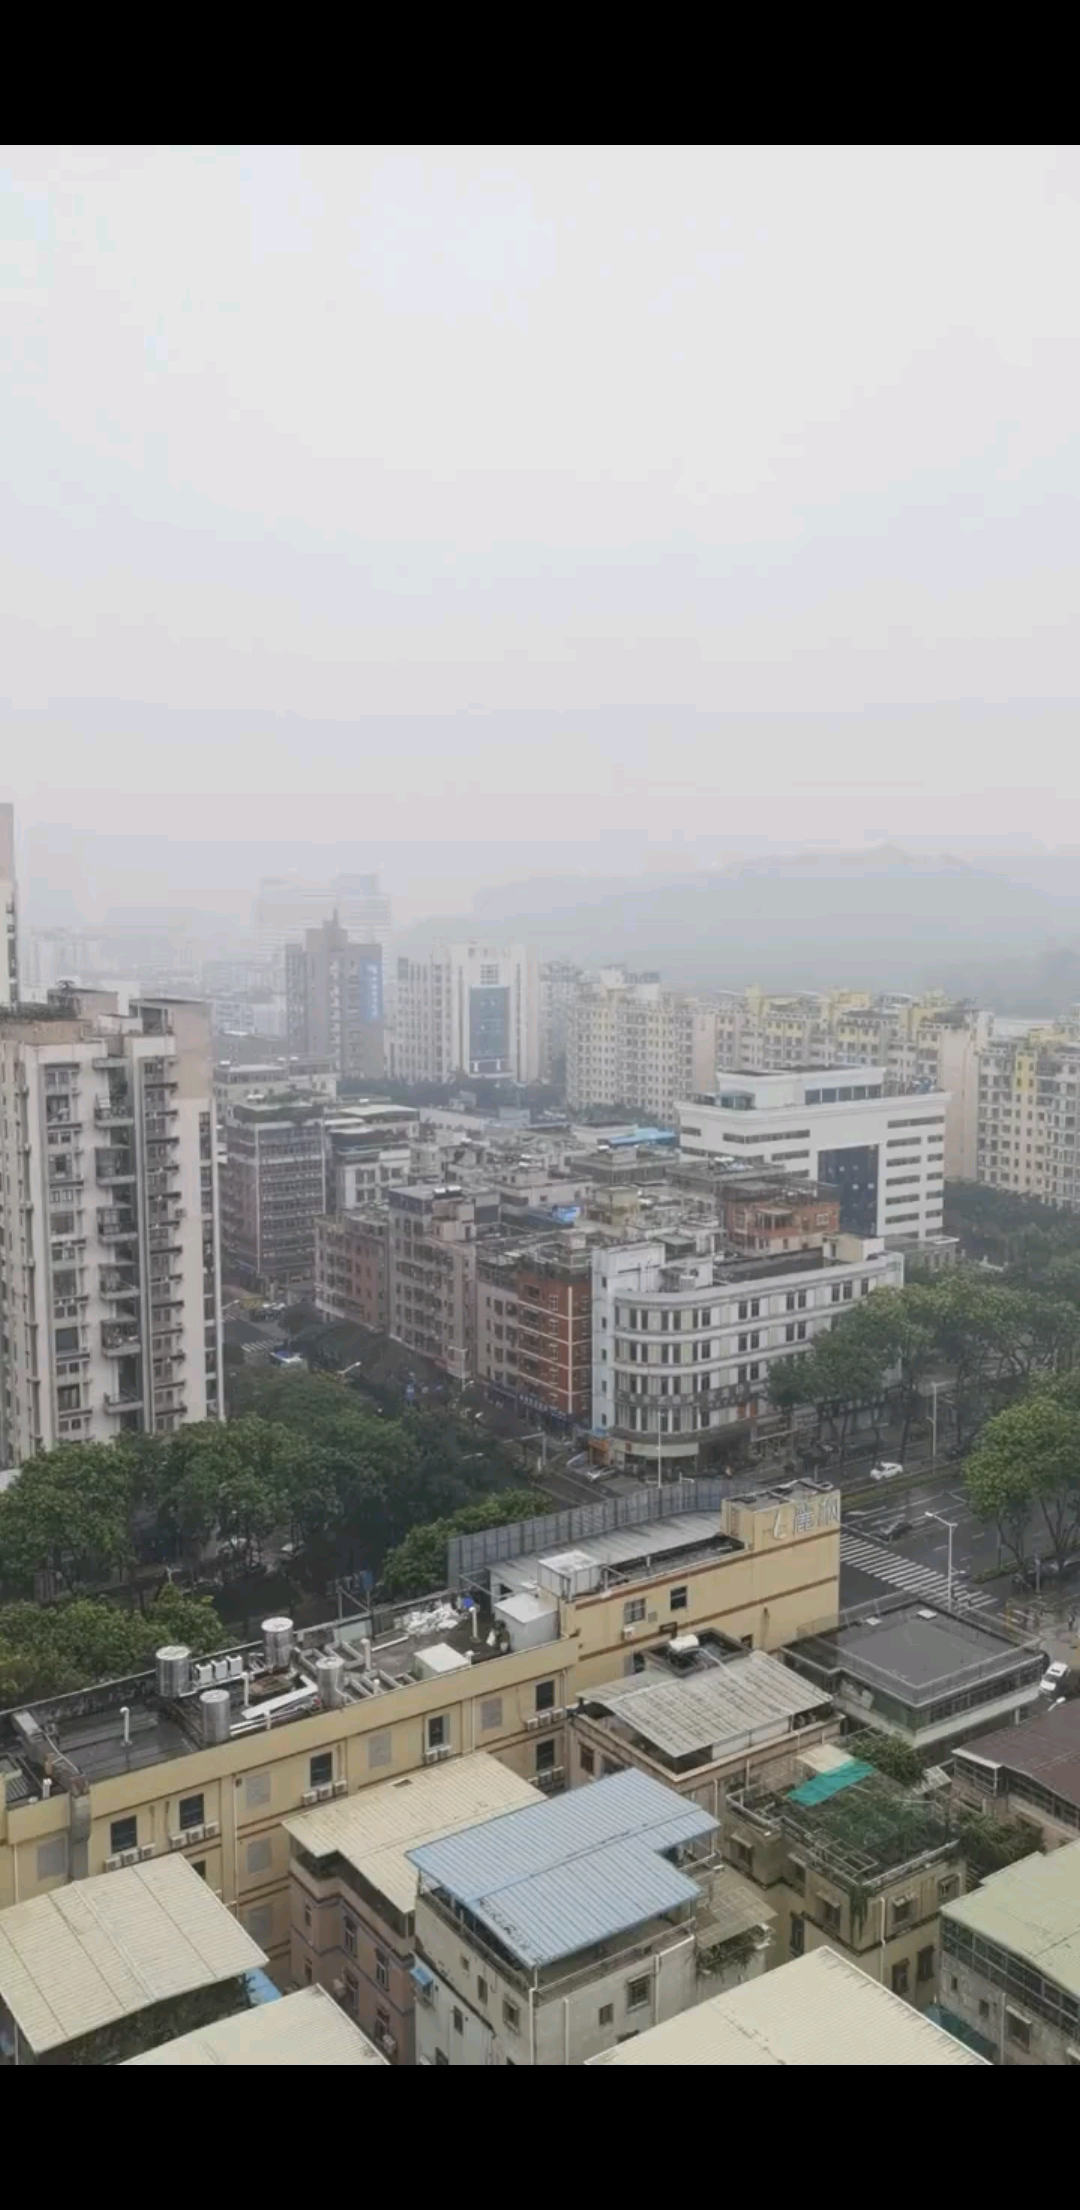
(330, 1675)
(277, 1643)
(215, 1706)
(173, 1663)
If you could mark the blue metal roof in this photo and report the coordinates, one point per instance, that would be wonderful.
(557, 1876)
(832, 1783)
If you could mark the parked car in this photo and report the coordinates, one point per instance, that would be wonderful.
(898, 1527)
(1052, 1679)
(885, 1470)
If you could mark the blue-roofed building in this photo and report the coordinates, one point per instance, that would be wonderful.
(550, 1933)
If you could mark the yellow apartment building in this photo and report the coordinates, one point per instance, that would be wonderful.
(209, 1759)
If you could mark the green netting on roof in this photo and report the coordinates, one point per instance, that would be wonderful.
(824, 1785)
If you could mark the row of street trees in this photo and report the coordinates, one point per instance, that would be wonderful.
(304, 1454)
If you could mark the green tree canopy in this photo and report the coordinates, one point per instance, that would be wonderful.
(50, 1650)
(419, 1562)
(1027, 1469)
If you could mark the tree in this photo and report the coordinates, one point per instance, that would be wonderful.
(73, 1512)
(51, 1650)
(889, 1754)
(419, 1563)
(239, 1478)
(1027, 1467)
(990, 1844)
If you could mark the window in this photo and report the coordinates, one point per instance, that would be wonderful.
(511, 2015)
(830, 1916)
(901, 1974)
(678, 1598)
(260, 1924)
(545, 1695)
(633, 1611)
(902, 1912)
(348, 1934)
(321, 1769)
(256, 1790)
(491, 1712)
(984, 2007)
(545, 1757)
(481, 1990)
(259, 1854)
(637, 1993)
(587, 1760)
(123, 1834)
(307, 1918)
(924, 1968)
(191, 1812)
(308, 1974)
(798, 1934)
(606, 2014)
(198, 1864)
(948, 1887)
(459, 2021)
(1017, 2029)
(436, 1733)
(52, 1859)
(378, 1752)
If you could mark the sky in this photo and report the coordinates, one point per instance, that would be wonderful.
(492, 492)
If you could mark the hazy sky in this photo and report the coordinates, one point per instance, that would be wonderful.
(345, 432)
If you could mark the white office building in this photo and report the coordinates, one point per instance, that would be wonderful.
(110, 1303)
(470, 1010)
(682, 1347)
(884, 1155)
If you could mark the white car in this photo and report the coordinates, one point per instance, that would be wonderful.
(1052, 1679)
(886, 1470)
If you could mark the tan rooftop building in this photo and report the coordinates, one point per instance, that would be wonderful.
(1010, 1961)
(306, 2028)
(114, 1953)
(354, 1888)
(820, 2010)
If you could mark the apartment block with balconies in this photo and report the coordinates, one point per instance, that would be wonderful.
(109, 1268)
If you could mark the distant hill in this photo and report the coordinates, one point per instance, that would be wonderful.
(884, 918)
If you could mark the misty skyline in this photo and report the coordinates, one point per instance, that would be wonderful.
(495, 494)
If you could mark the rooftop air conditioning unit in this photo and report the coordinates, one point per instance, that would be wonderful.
(112, 1864)
(325, 1792)
(337, 1988)
(129, 1856)
(177, 1841)
(341, 1787)
(211, 1830)
(532, 1722)
(146, 1851)
(628, 1633)
(310, 1795)
(386, 2042)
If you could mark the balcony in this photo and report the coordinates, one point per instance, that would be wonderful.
(122, 1401)
(117, 1227)
(114, 1166)
(164, 1239)
(118, 1336)
(118, 1113)
(118, 1281)
(156, 1127)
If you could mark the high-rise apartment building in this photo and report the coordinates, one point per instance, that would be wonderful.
(468, 1009)
(9, 913)
(560, 982)
(286, 906)
(273, 1188)
(334, 1000)
(632, 1043)
(110, 1307)
(433, 1239)
(1028, 1116)
(883, 1154)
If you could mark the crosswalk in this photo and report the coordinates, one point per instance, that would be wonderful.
(905, 1573)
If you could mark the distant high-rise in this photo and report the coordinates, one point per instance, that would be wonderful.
(334, 1000)
(110, 1308)
(286, 906)
(9, 910)
(468, 1009)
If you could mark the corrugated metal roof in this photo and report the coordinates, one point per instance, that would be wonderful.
(373, 1830)
(308, 2028)
(748, 1700)
(1032, 1909)
(84, 1956)
(649, 1538)
(576, 1870)
(1046, 1749)
(818, 2010)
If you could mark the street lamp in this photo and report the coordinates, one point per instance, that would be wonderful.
(952, 1525)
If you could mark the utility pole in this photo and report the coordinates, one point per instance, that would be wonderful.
(952, 1525)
